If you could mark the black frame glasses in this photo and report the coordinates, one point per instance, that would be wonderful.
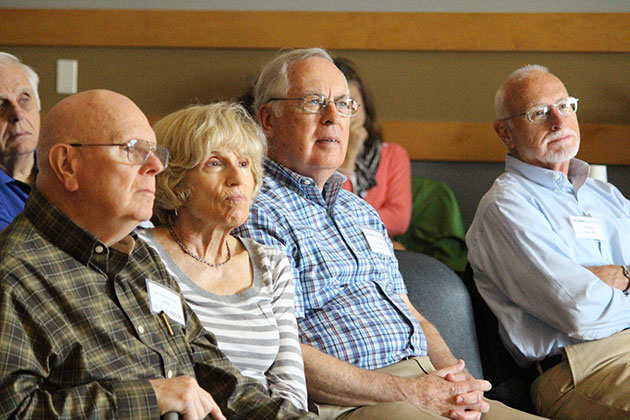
(137, 150)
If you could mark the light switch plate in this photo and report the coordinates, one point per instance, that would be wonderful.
(67, 71)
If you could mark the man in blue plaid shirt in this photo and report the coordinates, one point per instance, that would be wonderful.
(368, 354)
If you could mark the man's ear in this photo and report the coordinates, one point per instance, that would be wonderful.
(504, 133)
(265, 114)
(64, 162)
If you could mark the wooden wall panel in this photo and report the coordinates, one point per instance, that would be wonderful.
(477, 142)
(554, 32)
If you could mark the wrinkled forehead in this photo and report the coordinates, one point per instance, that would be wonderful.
(129, 127)
(537, 89)
(118, 123)
(12, 79)
(316, 75)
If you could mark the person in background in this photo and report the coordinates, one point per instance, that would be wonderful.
(368, 353)
(550, 252)
(377, 171)
(241, 290)
(92, 326)
(19, 133)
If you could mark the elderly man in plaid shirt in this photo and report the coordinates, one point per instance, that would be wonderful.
(91, 324)
(368, 354)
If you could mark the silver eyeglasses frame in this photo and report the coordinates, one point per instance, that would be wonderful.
(538, 114)
(316, 104)
(137, 150)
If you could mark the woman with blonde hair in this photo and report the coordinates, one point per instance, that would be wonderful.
(241, 290)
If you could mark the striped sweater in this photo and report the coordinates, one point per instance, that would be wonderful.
(256, 329)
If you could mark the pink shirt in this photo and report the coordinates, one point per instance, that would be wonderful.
(391, 197)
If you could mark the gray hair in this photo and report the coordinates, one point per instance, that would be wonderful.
(7, 59)
(516, 76)
(274, 80)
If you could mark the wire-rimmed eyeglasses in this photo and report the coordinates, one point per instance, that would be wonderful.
(540, 113)
(137, 150)
(315, 104)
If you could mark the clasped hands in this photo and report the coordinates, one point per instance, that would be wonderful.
(450, 392)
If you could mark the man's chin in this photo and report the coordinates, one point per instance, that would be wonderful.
(562, 154)
(21, 149)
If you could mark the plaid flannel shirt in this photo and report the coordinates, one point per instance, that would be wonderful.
(78, 339)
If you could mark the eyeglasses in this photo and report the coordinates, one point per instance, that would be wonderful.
(315, 104)
(540, 113)
(137, 150)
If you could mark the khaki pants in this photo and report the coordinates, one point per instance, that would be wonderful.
(415, 367)
(593, 382)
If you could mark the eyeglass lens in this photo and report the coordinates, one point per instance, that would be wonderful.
(138, 152)
(314, 104)
(565, 107)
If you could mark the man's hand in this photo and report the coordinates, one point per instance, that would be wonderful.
(450, 392)
(612, 275)
(184, 396)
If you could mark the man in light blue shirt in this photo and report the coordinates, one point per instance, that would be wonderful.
(549, 247)
(368, 354)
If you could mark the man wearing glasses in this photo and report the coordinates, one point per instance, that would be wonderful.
(91, 324)
(368, 354)
(549, 248)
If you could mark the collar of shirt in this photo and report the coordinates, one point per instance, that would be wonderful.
(306, 186)
(553, 180)
(81, 244)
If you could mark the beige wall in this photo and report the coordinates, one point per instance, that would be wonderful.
(435, 86)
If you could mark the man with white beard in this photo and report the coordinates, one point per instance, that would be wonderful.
(549, 248)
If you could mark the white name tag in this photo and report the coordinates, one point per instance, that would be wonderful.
(376, 241)
(587, 227)
(163, 299)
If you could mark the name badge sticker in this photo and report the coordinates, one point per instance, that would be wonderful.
(376, 241)
(163, 299)
(587, 227)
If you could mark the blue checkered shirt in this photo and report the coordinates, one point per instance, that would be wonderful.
(348, 302)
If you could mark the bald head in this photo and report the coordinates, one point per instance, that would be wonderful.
(100, 188)
(93, 116)
(504, 98)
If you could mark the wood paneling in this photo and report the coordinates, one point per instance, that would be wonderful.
(553, 32)
(361, 31)
(477, 142)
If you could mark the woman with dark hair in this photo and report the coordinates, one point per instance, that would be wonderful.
(377, 171)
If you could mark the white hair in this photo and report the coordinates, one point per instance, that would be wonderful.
(514, 77)
(274, 80)
(7, 59)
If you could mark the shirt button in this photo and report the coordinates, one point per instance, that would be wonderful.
(169, 374)
(141, 329)
(307, 182)
(555, 190)
(556, 176)
(99, 249)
